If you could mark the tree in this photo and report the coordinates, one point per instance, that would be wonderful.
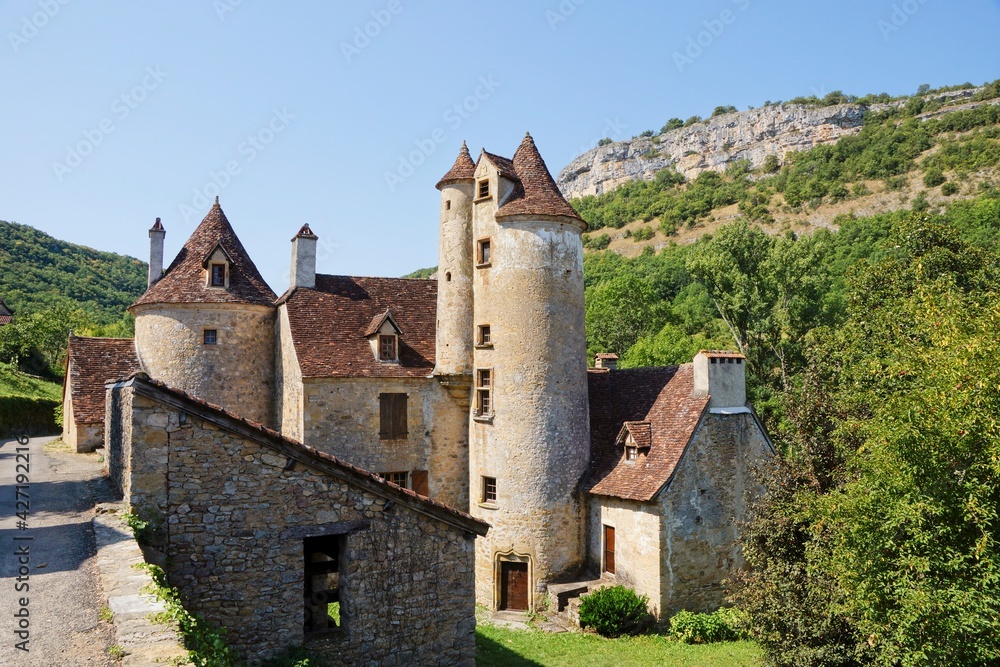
(619, 312)
(672, 124)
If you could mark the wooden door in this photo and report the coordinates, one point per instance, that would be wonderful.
(514, 586)
(609, 549)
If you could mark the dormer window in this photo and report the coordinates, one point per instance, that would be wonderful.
(631, 453)
(633, 437)
(218, 275)
(387, 348)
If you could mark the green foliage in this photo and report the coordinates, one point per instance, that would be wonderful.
(620, 311)
(950, 188)
(27, 414)
(614, 611)
(672, 124)
(723, 110)
(722, 625)
(771, 164)
(596, 242)
(206, 644)
(141, 529)
(934, 177)
(693, 120)
(422, 273)
(646, 133)
(297, 657)
(606, 141)
(643, 233)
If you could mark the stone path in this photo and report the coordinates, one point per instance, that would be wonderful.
(63, 597)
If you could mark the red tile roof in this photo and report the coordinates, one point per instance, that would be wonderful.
(659, 396)
(6, 314)
(641, 432)
(329, 325)
(538, 193)
(93, 361)
(184, 281)
(464, 169)
(6, 319)
(327, 463)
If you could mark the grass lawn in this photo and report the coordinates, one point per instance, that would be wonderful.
(16, 383)
(501, 647)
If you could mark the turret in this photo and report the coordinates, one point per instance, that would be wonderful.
(156, 236)
(304, 259)
(454, 275)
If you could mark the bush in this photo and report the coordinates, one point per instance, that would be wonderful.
(723, 625)
(596, 242)
(615, 611)
(643, 233)
(672, 124)
(605, 141)
(950, 188)
(934, 177)
(34, 416)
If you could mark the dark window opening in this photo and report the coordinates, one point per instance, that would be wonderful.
(387, 348)
(218, 275)
(447, 205)
(392, 416)
(484, 189)
(322, 583)
(210, 337)
(485, 337)
(489, 490)
(398, 478)
(447, 276)
(484, 253)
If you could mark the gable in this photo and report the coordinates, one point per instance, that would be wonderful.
(90, 363)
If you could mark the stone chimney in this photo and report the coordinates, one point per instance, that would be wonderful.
(156, 235)
(721, 375)
(607, 360)
(304, 259)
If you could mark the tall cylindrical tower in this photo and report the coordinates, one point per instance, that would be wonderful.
(207, 325)
(529, 429)
(454, 300)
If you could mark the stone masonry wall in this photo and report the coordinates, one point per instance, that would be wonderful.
(288, 381)
(341, 417)
(236, 516)
(702, 508)
(237, 373)
(637, 544)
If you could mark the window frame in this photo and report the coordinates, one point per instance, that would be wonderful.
(389, 421)
(484, 336)
(489, 491)
(485, 391)
(210, 337)
(394, 340)
(484, 252)
(631, 453)
(480, 193)
(395, 476)
(212, 267)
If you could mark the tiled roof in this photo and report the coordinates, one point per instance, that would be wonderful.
(606, 355)
(327, 463)
(184, 281)
(6, 319)
(538, 194)
(92, 362)
(641, 433)
(659, 396)
(329, 325)
(5, 311)
(722, 354)
(378, 321)
(464, 169)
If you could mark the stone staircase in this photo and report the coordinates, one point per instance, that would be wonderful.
(566, 597)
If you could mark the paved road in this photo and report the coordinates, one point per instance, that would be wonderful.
(63, 596)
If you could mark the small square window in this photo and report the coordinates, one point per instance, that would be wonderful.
(484, 252)
(210, 337)
(398, 478)
(484, 338)
(631, 453)
(484, 189)
(387, 348)
(489, 490)
(218, 275)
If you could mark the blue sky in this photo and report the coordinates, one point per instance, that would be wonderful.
(344, 115)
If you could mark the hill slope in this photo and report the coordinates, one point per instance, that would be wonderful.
(38, 271)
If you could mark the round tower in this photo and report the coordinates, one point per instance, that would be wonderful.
(454, 299)
(529, 429)
(206, 326)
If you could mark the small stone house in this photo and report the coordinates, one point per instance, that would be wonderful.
(284, 545)
(89, 363)
(673, 467)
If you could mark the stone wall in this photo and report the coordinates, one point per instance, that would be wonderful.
(288, 408)
(237, 373)
(637, 544)
(341, 417)
(236, 516)
(702, 509)
(81, 437)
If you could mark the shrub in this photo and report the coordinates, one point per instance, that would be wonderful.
(596, 242)
(723, 625)
(950, 188)
(672, 124)
(605, 141)
(692, 121)
(643, 233)
(646, 133)
(614, 611)
(771, 165)
(723, 110)
(27, 414)
(934, 177)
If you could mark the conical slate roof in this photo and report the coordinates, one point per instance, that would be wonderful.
(464, 169)
(538, 194)
(185, 280)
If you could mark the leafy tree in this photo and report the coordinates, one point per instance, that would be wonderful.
(672, 124)
(693, 120)
(619, 312)
(723, 110)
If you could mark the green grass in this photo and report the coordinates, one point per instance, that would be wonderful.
(500, 647)
(16, 383)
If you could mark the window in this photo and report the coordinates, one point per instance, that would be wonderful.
(609, 549)
(483, 338)
(489, 490)
(392, 416)
(484, 252)
(484, 387)
(387, 348)
(218, 275)
(210, 337)
(322, 583)
(397, 478)
(483, 190)
(447, 205)
(631, 453)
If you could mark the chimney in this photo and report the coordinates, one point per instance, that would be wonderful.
(607, 360)
(721, 375)
(304, 259)
(156, 234)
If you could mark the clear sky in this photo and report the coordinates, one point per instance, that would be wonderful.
(345, 114)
